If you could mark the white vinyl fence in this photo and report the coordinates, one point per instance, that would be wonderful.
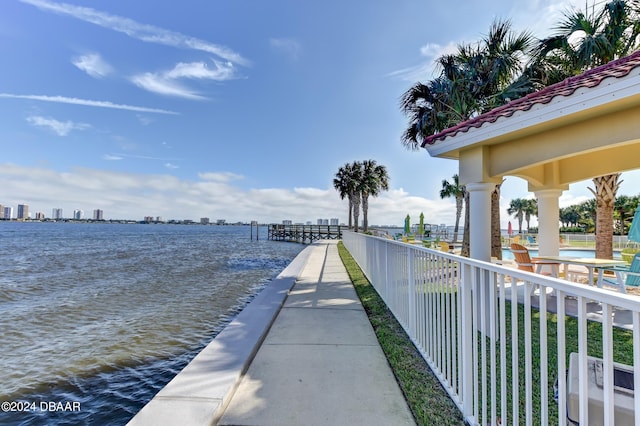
(499, 361)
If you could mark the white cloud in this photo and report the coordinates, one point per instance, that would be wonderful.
(133, 196)
(199, 70)
(167, 83)
(111, 157)
(86, 102)
(220, 176)
(93, 65)
(143, 32)
(61, 128)
(170, 166)
(287, 46)
(163, 86)
(426, 69)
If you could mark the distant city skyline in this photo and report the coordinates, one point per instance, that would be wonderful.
(57, 213)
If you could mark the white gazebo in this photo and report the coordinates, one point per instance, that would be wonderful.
(580, 128)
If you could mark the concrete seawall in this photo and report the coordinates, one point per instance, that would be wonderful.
(199, 394)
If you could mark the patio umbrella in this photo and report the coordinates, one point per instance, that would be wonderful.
(407, 225)
(421, 229)
(634, 230)
(509, 229)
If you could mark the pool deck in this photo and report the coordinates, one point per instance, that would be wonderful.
(302, 352)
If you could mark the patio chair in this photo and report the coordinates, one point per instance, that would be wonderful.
(525, 262)
(631, 273)
(444, 246)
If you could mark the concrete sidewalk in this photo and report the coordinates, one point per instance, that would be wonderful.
(320, 362)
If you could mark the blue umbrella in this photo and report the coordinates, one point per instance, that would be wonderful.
(634, 230)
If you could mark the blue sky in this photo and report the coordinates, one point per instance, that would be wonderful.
(237, 110)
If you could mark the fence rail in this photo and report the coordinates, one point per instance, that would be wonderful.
(498, 360)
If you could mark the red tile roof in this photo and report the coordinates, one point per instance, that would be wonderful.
(591, 78)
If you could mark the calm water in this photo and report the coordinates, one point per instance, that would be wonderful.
(106, 314)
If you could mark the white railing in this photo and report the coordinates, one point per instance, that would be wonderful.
(459, 314)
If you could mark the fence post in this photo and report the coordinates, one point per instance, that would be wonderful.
(411, 289)
(467, 330)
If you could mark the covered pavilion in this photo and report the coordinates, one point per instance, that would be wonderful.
(578, 129)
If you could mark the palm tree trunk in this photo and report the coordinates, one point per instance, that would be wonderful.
(459, 201)
(605, 192)
(496, 237)
(350, 213)
(365, 211)
(466, 248)
(356, 211)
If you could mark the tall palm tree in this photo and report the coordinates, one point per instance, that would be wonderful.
(585, 40)
(346, 185)
(530, 209)
(474, 80)
(605, 193)
(454, 189)
(517, 208)
(496, 234)
(374, 180)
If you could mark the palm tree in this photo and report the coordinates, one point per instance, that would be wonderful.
(605, 193)
(624, 208)
(374, 179)
(517, 208)
(346, 185)
(496, 234)
(588, 213)
(585, 40)
(474, 80)
(530, 209)
(453, 189)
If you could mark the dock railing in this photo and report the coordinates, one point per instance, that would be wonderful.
(498, 360)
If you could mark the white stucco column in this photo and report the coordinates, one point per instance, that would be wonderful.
(480, 218)
(548, 221)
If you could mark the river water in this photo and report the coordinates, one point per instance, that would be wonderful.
(101, 316)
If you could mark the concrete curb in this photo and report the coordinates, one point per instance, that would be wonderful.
(200, 392)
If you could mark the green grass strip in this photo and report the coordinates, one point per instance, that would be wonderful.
(428, 401)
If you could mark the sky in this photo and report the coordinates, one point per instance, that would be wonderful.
(231, 109)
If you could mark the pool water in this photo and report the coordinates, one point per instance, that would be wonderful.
(507, 255)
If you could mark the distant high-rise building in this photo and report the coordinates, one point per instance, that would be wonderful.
(204, 220)
(1, 211)
(39, 216)
(286, 222)
(78, 214)
(335, 221)
(323, 221)
(23, 211)
(98, 214)
(56, 214)
(8, 212)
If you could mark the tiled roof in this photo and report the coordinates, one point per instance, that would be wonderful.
(591, 78)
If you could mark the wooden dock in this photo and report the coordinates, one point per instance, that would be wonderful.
(305, 234)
